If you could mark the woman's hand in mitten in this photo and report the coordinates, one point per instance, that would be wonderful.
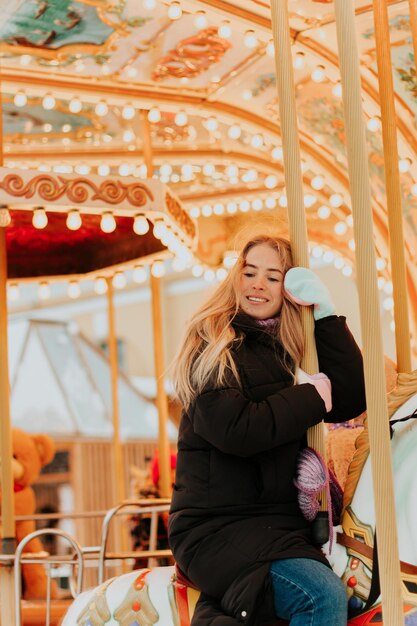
(322, 384)
(304, 287)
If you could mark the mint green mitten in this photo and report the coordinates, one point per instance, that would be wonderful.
(304, 287)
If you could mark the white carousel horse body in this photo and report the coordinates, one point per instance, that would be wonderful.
(143, 597)
(404, 458)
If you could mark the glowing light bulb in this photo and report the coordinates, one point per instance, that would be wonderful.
(299, 60)
(74, 221)
(48, 102)
(250, 40)
(128, 112)
(107, 223)
(197, 271)
(404, 165)
(206, 210)
(271, 181)
(13, 292)
(125, 169)
(140, 225)
(221, 273)
(257, 141)
(140, 274)
(119, 280)
(211, 124)
(208, 169)
(336, 200)
(323, 212)
(209, 275)
(159, 229)
(5, 217)
(149, 4)
(101, 108)
(154, 115)
(195, 211)
(165, 169)
(373, 124)
(270, 48)
(234, 131)
(44, 291)
(340, 228)
(40, 219)
(174, 11)
(270, 203)
(103, 169)
(218, 208)
(74, 290)
(128, 135)
(317, 182)
(83, 169)
(100, 285)
(181, 118)
(257, 204)
(318, 75)
(75, 105)
(277, 153)
(225, 30)
(158, 269)
(20, 99)
(200, 20)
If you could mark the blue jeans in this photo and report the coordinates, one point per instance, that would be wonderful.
(308, 593)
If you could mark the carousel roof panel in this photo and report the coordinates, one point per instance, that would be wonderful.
(80, 77)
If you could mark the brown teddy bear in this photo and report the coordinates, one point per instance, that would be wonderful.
(30, 453)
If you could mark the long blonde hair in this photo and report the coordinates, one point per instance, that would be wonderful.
(205, 354)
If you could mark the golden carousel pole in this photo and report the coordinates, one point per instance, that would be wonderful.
(161, 398)
(120, 528)
(120, 490)
(392, 184)
(7, 603)
(294, 187)
(379, 440)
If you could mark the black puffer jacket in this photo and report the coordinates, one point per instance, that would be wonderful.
(234, 507)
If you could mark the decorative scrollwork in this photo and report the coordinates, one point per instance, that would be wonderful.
(181, 217)
(192, 56)
(78, 190)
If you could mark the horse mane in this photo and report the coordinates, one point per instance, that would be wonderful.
(406, 387)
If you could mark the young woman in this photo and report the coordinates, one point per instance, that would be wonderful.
(235, 528)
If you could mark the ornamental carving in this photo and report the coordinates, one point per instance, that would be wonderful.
(192, 56)
(77, 190)
(181, 217)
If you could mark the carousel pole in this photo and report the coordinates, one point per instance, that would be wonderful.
(413, 23)
(379, 441)
(294, 187)
(114, 373)
(7, 603)
(161, 397)
(392, 184)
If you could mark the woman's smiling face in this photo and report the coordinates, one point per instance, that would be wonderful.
(261, 283)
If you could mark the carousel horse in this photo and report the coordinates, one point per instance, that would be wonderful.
(160, 597)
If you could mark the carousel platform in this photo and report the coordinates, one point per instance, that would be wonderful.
(34, 612)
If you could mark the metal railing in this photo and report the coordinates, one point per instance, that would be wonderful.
(76, 560)
(80, 555)
(133, 507)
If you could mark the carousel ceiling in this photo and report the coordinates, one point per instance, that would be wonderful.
(102, 86)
